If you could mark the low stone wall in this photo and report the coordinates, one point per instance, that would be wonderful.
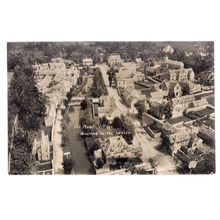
(149, 119)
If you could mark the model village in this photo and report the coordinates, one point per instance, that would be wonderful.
(123, 117)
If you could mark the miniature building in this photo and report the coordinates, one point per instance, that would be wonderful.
(180, 104)
(44, 83)
(207, 131)
(138, 60)
(174, 71)
(87, 61)
(116, 147)
(131, 96)
(182, 75)
(176, 139)
(199, 104)
(108, 108)
(49, 68)
(190, 87)
(43, 148)
(114, 59)
(124, 78)
(156, 109)
(175, 89)
(171, 64)
(157, 96)
(168, 49)
(138, 76)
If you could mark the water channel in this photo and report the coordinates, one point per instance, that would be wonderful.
(75, 144)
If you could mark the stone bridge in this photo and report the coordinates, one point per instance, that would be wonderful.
(76, 101)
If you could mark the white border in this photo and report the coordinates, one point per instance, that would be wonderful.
(127, 197)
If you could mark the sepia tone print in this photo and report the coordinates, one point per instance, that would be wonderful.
(115, 108)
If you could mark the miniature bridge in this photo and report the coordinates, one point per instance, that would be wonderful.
(76, 101)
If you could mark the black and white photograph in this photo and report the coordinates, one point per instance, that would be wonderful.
(111, 108)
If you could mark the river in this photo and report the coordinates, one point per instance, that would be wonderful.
(75, 144)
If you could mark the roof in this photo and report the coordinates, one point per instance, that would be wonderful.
(175, 63)
(117, 146)
(98, 153)
(130, 94)
(200, 102)
(158, 95)
(173, 84)
(138, 60)
(179, 137)
(155, 104)
(114, 57)
(166, 83)
(123, 73)
(45, 81)
(183, 99)
(87, 59)
(169, 128)
(168, 49)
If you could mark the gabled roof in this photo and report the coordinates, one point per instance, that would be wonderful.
(200, 102)
(166, 83)
(169, 128)
(158, 95)
(168, 49)
(45, 81)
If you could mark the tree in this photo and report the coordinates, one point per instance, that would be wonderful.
(26, 99)
(116, 123)
(20, 161)
(99, 87)
(104, 121)
(20, 154)
(168, 110)
(96, 92)
(99, 163)
(79, 80)
(84, 104)
(67, 166)
(111, 76)
(206, 165)
(140, 108)
(128, 128)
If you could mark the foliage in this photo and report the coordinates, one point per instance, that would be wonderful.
(128, 128)
(140, 108)
(86, 120)
(99, 163)
(67, 166)
(99, 87)
(125, 124)
(165, 146)
(20, 161)
(25, 98)
(104, 121)
(20, 153)
(206, 165)
(111, 75)
(149, 52)
(168, 110)
(26, 102)
(116, 123)
(84, 104)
